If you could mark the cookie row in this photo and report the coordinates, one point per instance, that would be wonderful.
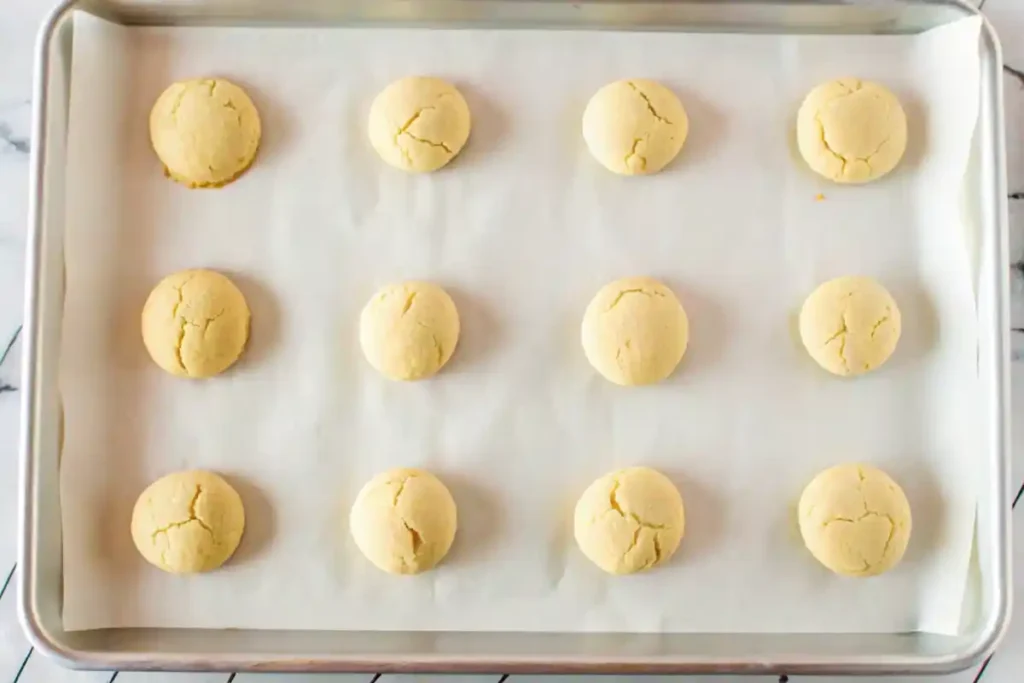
(206, 132)
(854, 519)
(635, 331)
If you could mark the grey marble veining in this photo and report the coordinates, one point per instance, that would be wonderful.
(19, 144)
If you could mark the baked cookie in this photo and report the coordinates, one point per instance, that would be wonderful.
(403, 521)
(419, 123)
(629, 520)
(855, 520)
(634, 127)
(409, 330)
(635, 331)
(206, 131)
(195, 323)
(851, 131)
(188, 522)
(850, 325)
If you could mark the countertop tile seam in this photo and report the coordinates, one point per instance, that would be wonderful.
(1016, 73)
(6, 387)
(7, 581)
(10, 345)
(24, 663)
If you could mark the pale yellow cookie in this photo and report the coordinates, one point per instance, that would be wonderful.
(635, 127)
(409, 330)
(419, 123)
(850, 325)
(629, 520)
(404, 521)
(851, 131)
(188, 522)
(195, 323)
(855, 520)
(635, 331)
(206, 131)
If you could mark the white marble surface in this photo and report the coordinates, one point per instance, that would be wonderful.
(18, 22)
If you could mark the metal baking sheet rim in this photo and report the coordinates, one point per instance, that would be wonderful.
(996, 588)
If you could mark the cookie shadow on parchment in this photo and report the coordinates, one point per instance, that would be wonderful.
(260, 520)
(708, 126)
(276, 127)
(481, 518)
(793, 140)
(265, 323)
(705, 517)
(807, 364)
(917, 134)
(929, 516)
(920, 328)
(709, 332)
(561, 541)
(480, 330)
(490, 129)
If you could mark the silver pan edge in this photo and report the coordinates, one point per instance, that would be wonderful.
(40, 588)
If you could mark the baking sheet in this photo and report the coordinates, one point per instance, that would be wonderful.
(522, 229)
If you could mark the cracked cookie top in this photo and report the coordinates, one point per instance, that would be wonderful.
(851, 131)
(195, 323)
(206, 131)
(850, 325)
(403, 521)
(419, 123)
(635, 331)
(855, 520)
(629, 520)
(188, 522)
(409, 330)
(634, 127)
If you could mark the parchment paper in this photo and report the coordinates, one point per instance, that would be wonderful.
(522, 229)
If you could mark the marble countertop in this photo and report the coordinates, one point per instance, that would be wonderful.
(19, 20)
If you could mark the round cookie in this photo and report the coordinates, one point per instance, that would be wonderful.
(629, 520)
(850, 325)
(635, 331)
(855, 520)
(851, 131)
(404, 521)
(634, 127)
(409, 330)
(195, 323)
(188, 522)
(206, 131)
(419, 123)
